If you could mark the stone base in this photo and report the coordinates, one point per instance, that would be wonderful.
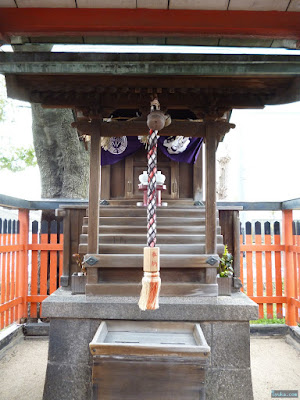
(75, 319)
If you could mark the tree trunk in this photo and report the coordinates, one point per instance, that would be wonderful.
(62, 158)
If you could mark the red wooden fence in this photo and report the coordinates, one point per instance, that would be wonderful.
(31, 264)
(270, 267)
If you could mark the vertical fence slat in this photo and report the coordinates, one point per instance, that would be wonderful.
(259, 272)
(295, 268)
(61, 255)
(2, 273)
(44, 260)
(287, 222)
(278, 274)
(249, 260)
(268, 260)
(18, 272)
(53, 257)
(34, 269)
(8, 274)
(13, 266)
(241, 259)
(298, 265)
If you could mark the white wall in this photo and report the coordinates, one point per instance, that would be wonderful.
(264, 151)
(16, 131)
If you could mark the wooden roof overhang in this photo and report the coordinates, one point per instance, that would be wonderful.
(206, 86)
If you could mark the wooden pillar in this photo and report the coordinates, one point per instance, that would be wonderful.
(287, 222)
(65, 278)
(210, 186)
(210, 199)
(23, 264)
(94, 194)
(198, 177)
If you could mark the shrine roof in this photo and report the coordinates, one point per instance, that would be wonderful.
(127, 80)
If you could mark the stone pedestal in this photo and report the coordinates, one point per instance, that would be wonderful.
(75, 319)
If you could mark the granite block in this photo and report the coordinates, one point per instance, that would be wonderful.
(66, 381)
(230, 345)
(69, 340)
(228, 384)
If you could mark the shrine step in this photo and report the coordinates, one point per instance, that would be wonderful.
(167, 289)
(123, 229)
(142, 221)
(187, 249)
(178, 203)
(136, 261)
(127, 238)
(161, 212)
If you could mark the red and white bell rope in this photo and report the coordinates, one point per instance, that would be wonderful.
(151, 281)
(151, 193)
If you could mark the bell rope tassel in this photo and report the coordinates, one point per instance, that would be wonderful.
(151, 281)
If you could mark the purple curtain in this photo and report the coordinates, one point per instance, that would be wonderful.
(122, 148)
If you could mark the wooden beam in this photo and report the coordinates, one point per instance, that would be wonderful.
(137, 128)
(94, 194)
(147, 22)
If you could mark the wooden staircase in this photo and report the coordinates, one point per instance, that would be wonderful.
(118, 268)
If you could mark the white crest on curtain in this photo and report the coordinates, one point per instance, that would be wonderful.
(176, 144)
(117, 145)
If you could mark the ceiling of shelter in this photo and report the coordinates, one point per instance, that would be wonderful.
(256, 5)
(272, 23)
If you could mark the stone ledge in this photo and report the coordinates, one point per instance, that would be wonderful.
(294, 332)
(36, 329)
(269, 330)
(9, 337)
(238, 307)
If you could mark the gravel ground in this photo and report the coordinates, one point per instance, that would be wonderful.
(23, 370)
(275, 365)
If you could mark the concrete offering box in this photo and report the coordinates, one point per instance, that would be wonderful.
(149, 360)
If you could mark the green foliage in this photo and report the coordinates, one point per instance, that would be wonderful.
(225, 265)
(7, 107)
(3, 99)
(2, 106)
(17, 159)
(266, 321)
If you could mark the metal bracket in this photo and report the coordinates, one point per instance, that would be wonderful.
(91, 261)
(212, 260)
